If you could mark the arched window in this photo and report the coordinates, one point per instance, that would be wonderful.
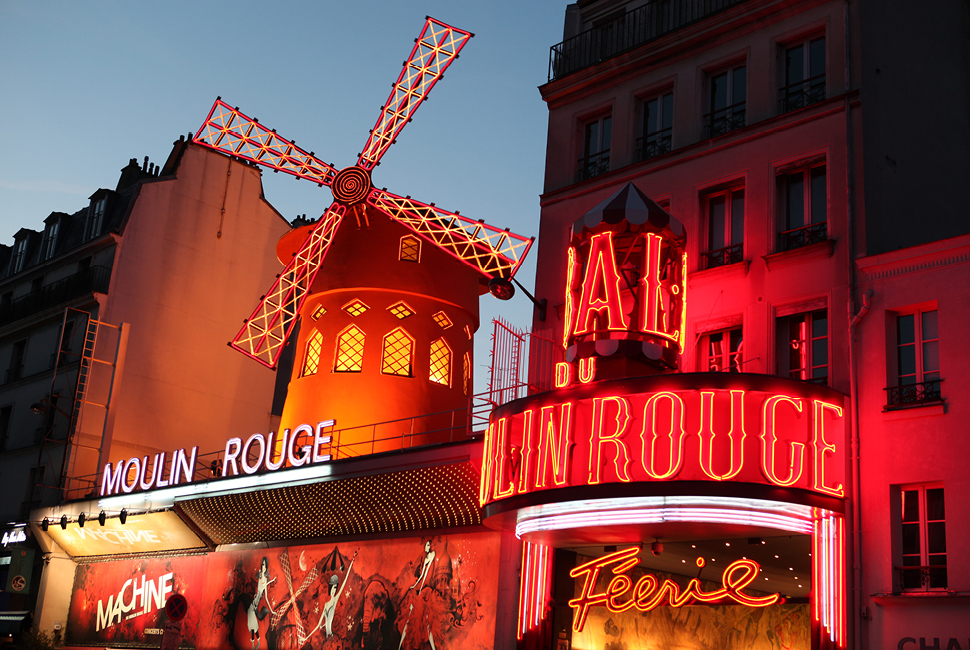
(410, 250)
(311, 359)
(440, 363)
(349, 356)
(398, 352)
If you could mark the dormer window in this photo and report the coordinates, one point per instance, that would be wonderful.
(92, 228)
(50, 239)
(19, 255)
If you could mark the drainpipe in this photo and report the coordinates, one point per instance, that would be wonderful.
(855, 608)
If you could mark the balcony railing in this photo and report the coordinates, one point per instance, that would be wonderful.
(654, 145)
(802, 94)
(594, 165)
(724, 120)
(633, 29)
(93, 279)
(13, 373)
(924, 392)
(725, 256)
(804, 236)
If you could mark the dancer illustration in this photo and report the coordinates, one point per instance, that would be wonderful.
(330, 608)
(422, 573)
(255, 613)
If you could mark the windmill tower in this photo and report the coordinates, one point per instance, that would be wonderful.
(385, 331)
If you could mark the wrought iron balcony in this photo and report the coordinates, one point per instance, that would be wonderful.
(635, 28)
(724, 120)
(922, 577)
(724, 256)
(654, 144)
(93, 279)
(804, 236)
(802, 94)
(924, 392)
(594, 165)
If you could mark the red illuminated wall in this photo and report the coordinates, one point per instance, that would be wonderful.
(386, 599)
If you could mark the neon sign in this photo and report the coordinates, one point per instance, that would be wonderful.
(764, 430)
(303, 446)
(14, 536)
(649, 592)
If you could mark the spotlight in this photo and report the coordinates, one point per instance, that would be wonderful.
(123, 516)
(501, 288)
(80, 520)
(44, 524)
(63, 522)
(103, 517)
(656, 548)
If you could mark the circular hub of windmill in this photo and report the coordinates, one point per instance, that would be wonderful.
(351, 185)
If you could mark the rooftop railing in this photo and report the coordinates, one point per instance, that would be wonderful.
(633, 29)
(94, 279)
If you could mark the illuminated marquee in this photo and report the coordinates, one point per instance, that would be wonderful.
(626, 274)
(649, 592)
(695, 427)
(303, 446)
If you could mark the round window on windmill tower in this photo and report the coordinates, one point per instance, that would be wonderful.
(625, 295)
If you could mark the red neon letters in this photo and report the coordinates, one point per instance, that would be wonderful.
(649, 593)
(683, 434)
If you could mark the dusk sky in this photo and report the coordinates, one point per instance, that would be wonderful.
(87, 86)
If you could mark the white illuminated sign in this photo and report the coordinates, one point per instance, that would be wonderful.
(303, 446)
(14, 536)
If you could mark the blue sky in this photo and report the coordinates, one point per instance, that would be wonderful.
(86, 86)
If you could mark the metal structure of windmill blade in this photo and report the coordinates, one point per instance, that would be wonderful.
(492, 252)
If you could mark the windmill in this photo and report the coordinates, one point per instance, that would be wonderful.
(492, 252)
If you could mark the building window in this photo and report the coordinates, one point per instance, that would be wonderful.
(917, 360)
(19, 255)
(318, 312)
(596, 148)
(923, 538)
(311, 359)
(401, 310)
(440, 363)
(466, 375)
(50, 239)
(722, 351)
(5, 425)
(804, 81)
(410, 249)
(349, 356)
(725, 227)
(16, 368)
(355, 307)
(397, 353)
(92, 227)
(658, 115)
(63, 356)
(803, 346)
(727, 92)
(442, 320)
(803, 197)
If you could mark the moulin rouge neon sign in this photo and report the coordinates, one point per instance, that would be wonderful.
(649, 592)
(761, 430)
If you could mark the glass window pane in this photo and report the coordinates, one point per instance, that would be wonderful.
(911, 505)
(607, 126)
(930, 329)
(938, 578)
(592, 139)
(668, 111)
(719, 91)
(716, 210)
(934, 505)
(936, 537)
(794, 201)
(820, 354)
(650, 117)
(907, 363)
(911, 543)
(737, 217)
(819, 194)
(820, 324)
(794, 65)
(739, 85)
(817, 57)
(905, 330)
(931, 357)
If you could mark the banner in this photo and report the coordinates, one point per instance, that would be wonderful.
(143, 533)
(400, 594)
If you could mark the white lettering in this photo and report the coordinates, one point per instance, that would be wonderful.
(14, 536)
(304, 457)
(111, 483)
(160, 481)
(132, 462)
(146, 596)
(279, 446)
(233, 447)
(252, 469)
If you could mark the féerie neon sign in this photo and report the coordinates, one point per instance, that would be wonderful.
(649, 592)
